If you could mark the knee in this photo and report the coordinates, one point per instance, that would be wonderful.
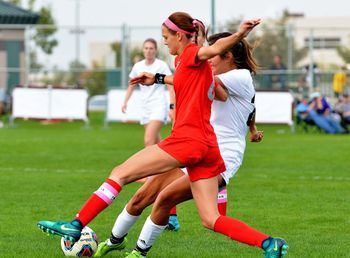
(149, 140)
(119, 177)
(164, 202)
(140, 201)
(136, 204)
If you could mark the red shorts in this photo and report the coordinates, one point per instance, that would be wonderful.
(202, 161)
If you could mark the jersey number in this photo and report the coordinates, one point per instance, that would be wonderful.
(211, 91)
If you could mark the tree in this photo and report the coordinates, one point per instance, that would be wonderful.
(344, 53)
(43, 36)
(272, 39)
(95, 82)
(117, 48)
(15, 2)
(76, 68)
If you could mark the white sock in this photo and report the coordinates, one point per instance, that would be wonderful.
(149, 233)
(123, 223)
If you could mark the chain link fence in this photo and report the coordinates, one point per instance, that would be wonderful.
(100, 58)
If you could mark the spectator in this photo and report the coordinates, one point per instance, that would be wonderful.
(278, 77)
(339, 82)
(343, 108)
(320, 113)
(311, 80)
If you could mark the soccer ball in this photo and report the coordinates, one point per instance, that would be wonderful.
(86, 246)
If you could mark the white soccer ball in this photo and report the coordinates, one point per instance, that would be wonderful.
(85, 247)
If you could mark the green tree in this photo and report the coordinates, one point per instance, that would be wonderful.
(43, 37)
(15, 2)
(117, 48)
(95, 82)
(76, 71)
(344, 53)
(271, 39)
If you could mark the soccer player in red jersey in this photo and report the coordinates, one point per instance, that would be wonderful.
(192, 142)
(231, 120)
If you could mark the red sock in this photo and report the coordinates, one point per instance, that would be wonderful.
(173, 211)
(98, 201)
(239, 231)
(222, 201)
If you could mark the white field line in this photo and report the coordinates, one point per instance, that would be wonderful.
(55, 170)
(60, 170)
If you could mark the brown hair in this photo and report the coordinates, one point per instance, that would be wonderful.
(242, 52)
(201, 27)
(151, 40)
(185, 22)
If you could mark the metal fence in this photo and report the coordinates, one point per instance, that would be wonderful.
(100, 58)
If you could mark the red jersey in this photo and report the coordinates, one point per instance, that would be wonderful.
(194, 91)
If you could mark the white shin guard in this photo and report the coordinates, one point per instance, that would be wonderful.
(123, 223)
(149, 233)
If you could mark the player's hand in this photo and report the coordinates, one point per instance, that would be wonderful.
(256, 136)
(144, 79)
(171, 114)
(124, 107)
(247, 26)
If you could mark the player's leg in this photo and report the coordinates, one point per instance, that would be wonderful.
(149, 161)
(173, 222)
(175, 193)
(144, 196)
(152, 132)
(151, 136)
(222, 195)
(204, 193)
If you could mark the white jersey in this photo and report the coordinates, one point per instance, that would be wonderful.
(155, 94)
(230, 118)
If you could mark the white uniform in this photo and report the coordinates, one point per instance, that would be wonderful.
(230, 118)
(154, 101)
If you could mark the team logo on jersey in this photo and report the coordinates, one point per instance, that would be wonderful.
(211, 91)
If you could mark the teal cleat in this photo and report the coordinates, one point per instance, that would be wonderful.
(103, 248)
(173, 223)
(274, 247)
(135, 254)
(69, 230)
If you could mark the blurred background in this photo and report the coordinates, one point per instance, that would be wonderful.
(93, 45)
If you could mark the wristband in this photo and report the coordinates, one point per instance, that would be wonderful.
(172, 106)
(159, 78)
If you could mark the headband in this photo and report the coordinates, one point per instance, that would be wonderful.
(170, 25)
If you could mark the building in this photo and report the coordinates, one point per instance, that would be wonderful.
(327, 33)
(12, 44)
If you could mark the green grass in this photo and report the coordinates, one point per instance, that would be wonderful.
(296, 186)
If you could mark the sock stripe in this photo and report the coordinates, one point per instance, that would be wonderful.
(114, 184)
(110, 188)
(104, 197)
(222, 196)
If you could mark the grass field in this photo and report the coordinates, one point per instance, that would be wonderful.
(296, 186)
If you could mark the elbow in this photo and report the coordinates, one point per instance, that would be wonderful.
(221, 97)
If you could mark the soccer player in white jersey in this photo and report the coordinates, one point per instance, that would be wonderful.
(154, 102)
(231, 120)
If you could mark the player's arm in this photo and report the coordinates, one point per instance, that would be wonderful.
(128, 94)
(255, 135)
(223, 44)
(172, 102)
(221, 92)
(148, 79)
